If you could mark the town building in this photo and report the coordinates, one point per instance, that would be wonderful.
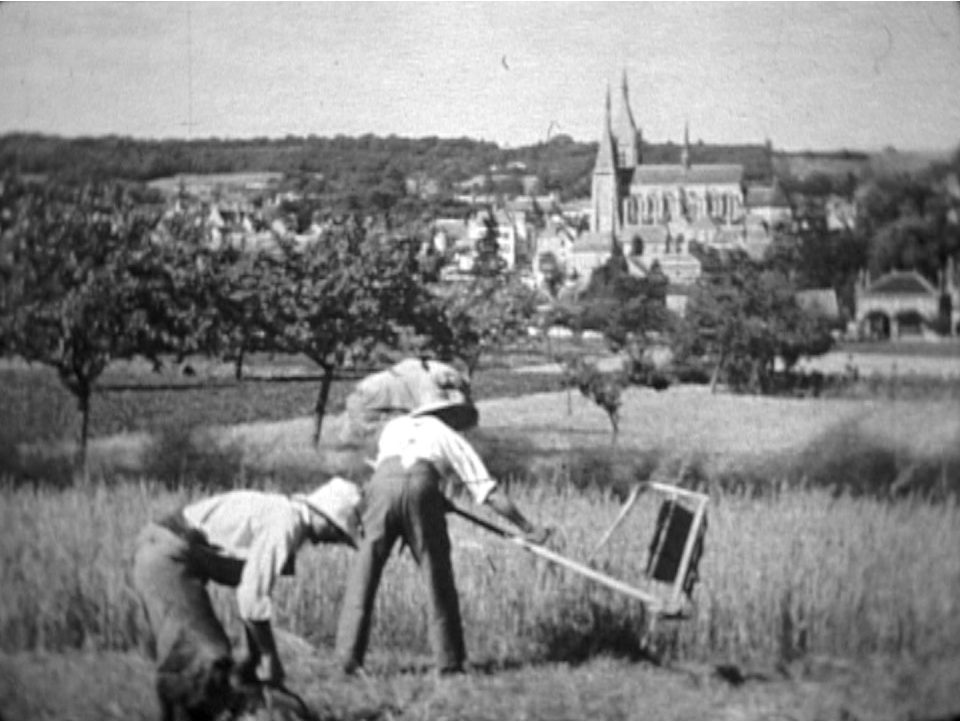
(904, 303)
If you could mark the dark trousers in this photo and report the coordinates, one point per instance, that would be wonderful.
(405, 504)
(192, 649)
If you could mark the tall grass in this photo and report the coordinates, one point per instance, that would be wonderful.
(784, 576)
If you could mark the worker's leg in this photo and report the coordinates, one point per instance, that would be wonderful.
(193, 651)
(425, 530)
(380, 532)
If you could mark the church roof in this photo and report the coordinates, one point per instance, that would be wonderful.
(703, 223)
(651, 234)
(593, 243)
(678, 174)
(901, 283)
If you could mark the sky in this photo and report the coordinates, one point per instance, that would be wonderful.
(818, 76)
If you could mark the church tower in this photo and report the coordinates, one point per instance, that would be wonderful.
(604, 192)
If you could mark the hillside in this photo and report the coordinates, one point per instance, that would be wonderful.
(562, 164)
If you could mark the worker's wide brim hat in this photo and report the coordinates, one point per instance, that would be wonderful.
(338, 501)
(451, 406)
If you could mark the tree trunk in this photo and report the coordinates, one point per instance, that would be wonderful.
(83, 404)
(238, 366)
(716, 372)
(322, 397)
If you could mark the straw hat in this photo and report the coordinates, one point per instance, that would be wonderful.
(338, 501)
(450, 405)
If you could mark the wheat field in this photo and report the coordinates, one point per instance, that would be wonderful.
(786, 575)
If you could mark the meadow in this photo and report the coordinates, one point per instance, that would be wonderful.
(818, 567)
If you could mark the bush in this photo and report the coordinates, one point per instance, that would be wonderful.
(183, 455)
(691, 371)
(846, 461)
(34, 465)
(513, 460)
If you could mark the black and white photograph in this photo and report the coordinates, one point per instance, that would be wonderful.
(491, 360)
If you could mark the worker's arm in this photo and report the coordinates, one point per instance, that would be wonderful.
(504, 506)
(275, 543)
(471, 470)
(263, 659)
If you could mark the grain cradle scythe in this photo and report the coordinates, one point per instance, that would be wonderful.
(671, 570)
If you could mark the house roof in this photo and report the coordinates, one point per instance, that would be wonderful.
(732, 236)
(821, 300)
(901, 283)
(453, 228)
(678, 174)
(766, 197)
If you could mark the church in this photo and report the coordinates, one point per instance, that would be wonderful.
(654, 211)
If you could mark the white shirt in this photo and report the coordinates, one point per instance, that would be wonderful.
(263, 529)
(426, 438)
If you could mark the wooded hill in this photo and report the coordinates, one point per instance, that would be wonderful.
(561, 164)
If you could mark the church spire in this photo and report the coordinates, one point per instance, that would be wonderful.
(606, 159)
(604, 193)
(685, 153)
(625, 130)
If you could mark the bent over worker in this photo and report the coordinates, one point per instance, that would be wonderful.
(243, 539)
(405, 500)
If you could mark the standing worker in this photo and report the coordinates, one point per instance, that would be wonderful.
(243, 539)
(405, 499)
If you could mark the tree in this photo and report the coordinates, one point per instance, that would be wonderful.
(820, 259)
(624, 308)
(746, 316)
(604, 390)
(77, 301)
(913, 222)
(342, 296)
(487, 261)
(552, 272)
(481, 315)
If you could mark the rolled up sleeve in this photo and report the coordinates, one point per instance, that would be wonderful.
(466, 463)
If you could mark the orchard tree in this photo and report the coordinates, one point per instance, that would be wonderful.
(604, 390)
(77, 299)
(480, 316)
(239, 317)
(342, 296)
